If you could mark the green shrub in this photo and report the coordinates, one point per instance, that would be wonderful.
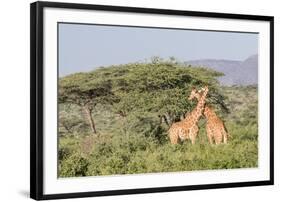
(73, 166)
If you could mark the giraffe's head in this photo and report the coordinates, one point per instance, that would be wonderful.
(205, 89)
(194, 94)
(197, 93)
(207, 111)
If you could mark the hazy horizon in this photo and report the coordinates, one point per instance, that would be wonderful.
(84, 48)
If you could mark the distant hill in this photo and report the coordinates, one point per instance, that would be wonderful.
(236, 72)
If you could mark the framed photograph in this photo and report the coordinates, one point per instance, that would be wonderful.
(128, 100)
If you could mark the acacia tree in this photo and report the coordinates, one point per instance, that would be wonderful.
(146, 93)
(160, 88)
(86, 90)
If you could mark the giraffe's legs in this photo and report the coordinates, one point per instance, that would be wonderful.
(209, 134)
(173, 135)
(224, 136)
(218, 137)
(174, 139)
(193, 140)
(217, 141)
(194, 133)
(210, 139)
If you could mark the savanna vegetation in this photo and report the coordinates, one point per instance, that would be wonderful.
(114, 120)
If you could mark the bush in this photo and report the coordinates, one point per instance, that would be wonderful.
(73, 166)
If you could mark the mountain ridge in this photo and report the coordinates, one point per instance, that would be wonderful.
(236, 72)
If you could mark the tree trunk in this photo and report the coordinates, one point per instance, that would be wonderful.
(88, 113)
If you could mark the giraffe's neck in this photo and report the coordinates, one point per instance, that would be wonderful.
(209, 113)
(197, 112)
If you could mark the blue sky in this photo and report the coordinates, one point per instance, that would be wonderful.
(86, 47)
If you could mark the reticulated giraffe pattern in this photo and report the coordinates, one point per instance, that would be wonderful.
(215, 127)
(188, 128)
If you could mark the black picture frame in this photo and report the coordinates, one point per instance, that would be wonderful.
(36, 99)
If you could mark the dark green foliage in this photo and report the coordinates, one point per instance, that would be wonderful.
(85, 88)
(133, 107)
(74, 165)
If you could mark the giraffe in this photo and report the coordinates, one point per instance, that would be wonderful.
(188, 128)
(215, 127)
